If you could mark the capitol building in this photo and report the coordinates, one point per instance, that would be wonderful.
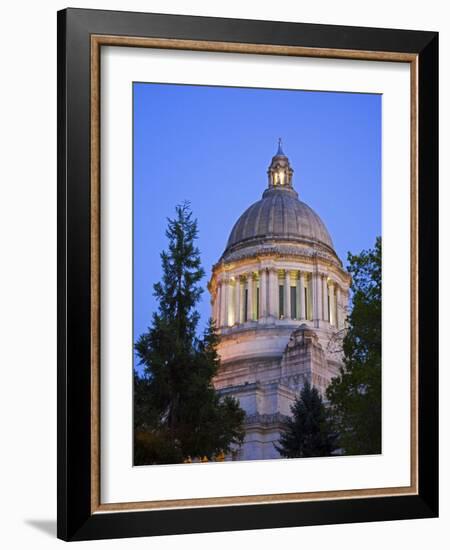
(279, 296)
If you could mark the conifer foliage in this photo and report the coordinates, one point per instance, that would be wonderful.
(308, 432)
(355, 395)
(178, 414)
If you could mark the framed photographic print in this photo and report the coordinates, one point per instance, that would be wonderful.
(247, 274)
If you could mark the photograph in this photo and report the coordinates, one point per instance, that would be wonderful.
(257, 274)
(247, 274)
(222, 251)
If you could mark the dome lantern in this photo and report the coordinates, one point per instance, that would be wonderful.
(280, 171)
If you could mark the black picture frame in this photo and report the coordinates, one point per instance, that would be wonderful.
(75, 518)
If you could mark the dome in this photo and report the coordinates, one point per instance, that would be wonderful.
(279, 215)
(279, 220)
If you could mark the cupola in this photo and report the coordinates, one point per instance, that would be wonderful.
(280, 171)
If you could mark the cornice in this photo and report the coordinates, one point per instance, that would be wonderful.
(270, 259)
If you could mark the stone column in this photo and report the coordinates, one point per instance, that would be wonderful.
(338, 307)
(226, 301)
(273, 293)
(237, 301)
(298, 296)
(301, 296)
(230, 303)
(309, 284)
(325, 298)
(221, 304)
(332, 305)
(250, 297)
(263, 294)
(317, 298)
(344, 302)
(215, 307)
(287, 294)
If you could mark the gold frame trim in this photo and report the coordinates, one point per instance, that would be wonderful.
(97, 41)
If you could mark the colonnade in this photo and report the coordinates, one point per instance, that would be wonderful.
(271, 294)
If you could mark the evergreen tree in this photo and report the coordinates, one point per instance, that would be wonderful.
(177, 411)
(308, 432)
(355, 395)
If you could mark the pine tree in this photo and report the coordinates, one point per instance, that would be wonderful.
(308, 432)
(355, 395)
(177, 412)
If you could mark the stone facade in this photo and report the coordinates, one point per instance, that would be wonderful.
(279, 298)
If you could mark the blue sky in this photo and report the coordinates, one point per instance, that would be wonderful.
(212, 146)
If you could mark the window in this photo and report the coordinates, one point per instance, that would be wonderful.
(257, 302)
(281, 301)
(328, 304)
(245, 305)
(293, 302)
(305, 290)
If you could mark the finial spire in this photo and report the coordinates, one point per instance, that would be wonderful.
(280, 150)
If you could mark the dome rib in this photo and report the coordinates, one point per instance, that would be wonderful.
(278, 216)
(291, 218)
(265, 218)
(249, 221)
